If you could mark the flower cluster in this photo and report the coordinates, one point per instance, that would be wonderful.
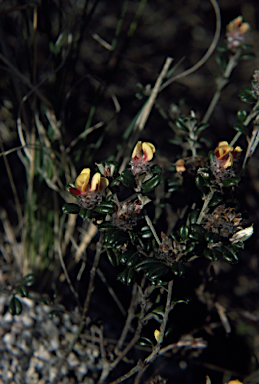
(89, 194)
(236, 33)
(141, 155)
(223, 221)
(126, 214)
(224, 156)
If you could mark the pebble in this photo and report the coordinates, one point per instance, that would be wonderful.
(33, 346)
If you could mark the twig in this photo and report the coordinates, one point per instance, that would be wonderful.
(133, 341)
(11, 180)
(131, 315)
(233, 61)
(140, 123)
(203, 211)
(111, 291)
(64, 266)
(157, 348)
(142, 119)
(149, 223)
(207, 55)
(142, 366)
(86, 303)
(92, 274)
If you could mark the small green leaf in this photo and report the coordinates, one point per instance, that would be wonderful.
(212, 237)
(15, 306)
(71, 208)
(85, 213)
(125, 256)
(242, 115)
(134, 260)
(147, 263)
(205, 173)
(222, 48)
(241, 128)
(247, 95)
(21, 290)
(145, 341)
(105, 207)
(198, 228)
(175, 269)
(150, 184)
(200, 184)
(175, 236)
(181, 268)
(158, 273)
(181, 125)
(193, 216)
(231, 181)
(247, 56)
(114, 236)
(45, 300)
(201, 127)
(230, 254)
(196, 236)
(115, 182)
(184, 232)
(132, 236)
(173, 185)
(211, 156)
(28, 280)
(113, 257)
(131, 276)
(127, 178)
(190, 247)
(215, 201)
(247, 46)
(146, 232)
(156, 169)
(222, 61)
(105, 226)
(208, 254)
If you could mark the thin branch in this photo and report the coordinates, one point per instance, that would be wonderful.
(203, 211)
(207, 55)
(149, 223)
(64, 266)
(233, 61)
(142, 119)
(130, 317)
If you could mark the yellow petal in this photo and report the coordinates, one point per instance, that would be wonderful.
(237, 152)
(222, 143)
(137, 150)
(235, 23)
(95, 181)
(234, 382)
(229, 162)
(222, 149)
(103, 183)
(157, 334)
(149, 150)
(82, 180)
(244, 28)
